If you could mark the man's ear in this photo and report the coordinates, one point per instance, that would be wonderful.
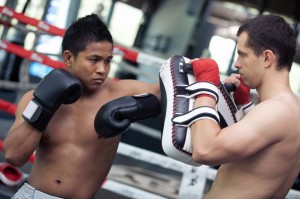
(68, 58)
(269, 58)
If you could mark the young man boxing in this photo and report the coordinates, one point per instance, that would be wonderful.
(260, 154)
(57, 119)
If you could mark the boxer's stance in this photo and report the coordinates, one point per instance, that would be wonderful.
(260, 154)
(57, 119)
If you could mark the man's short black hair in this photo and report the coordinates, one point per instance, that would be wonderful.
(84, 31)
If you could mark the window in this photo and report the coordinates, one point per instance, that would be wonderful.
(125, 23)
(221, 50)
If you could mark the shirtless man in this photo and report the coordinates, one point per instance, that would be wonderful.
(72, 159)
(260, 154)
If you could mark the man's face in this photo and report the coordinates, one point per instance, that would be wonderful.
(92, 65)
(248, 64)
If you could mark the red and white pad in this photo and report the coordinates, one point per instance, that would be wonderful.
(10, 175)
(178, 88)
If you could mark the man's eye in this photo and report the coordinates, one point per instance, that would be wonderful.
(241, 54)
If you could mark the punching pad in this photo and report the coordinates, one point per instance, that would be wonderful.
(178, 91)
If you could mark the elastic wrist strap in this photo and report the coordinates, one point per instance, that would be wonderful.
(203, 112)
(203, 88)
(36, 115)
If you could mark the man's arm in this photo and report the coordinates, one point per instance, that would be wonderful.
(22, 139)
(260, 128)
(135, 87)
(37, 109)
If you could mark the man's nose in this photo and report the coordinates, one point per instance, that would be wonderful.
(100, 67)
(237, 65)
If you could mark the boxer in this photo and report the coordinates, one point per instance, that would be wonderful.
(258, 156)
(59, 120)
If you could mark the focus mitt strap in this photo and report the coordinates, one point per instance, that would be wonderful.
(246, 108)
(196, 114)
(198, 88)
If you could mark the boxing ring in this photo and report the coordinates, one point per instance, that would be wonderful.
(151, 175)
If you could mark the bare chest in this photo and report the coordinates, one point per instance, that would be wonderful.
(74, 124)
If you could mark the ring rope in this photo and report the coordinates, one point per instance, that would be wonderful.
(128, 54)
(30, 55)
(40, 24)
(146, 130)
(44, 59)
(21, 27)
(16, 86)
(7, 107)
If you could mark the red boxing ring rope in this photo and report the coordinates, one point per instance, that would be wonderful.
(127, 54)
(40, 24)
(8, 107)
(30, 55)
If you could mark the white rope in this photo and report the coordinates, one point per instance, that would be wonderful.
(146, 130)
(16, 86)
(151, 157)
(129, 191)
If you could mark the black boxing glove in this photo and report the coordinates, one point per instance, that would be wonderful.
(56, 88)
(115, 117)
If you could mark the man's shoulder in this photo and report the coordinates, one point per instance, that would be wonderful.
(281, 109)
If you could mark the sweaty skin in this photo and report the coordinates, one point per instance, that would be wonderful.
(72, 161)
(259, 155)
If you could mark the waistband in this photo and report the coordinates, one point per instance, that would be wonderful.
(27, 191)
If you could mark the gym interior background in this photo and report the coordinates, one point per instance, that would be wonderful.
(158, 28)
